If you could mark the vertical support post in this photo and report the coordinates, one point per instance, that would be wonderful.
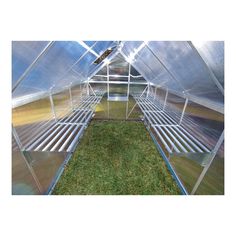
(108, 109)
(108, 92)
(144, 91)
(131, 110)
(108, 87)
(127, 109)
(148, 90)
(155, 93)
(182, 115)
(211, 158)
(52, 106)
(128, 81)
(165, 100)
(87, 88)
(92, 90)
(71, 99)
(21, 148)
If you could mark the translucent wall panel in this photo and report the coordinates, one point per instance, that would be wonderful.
(103, 71)
(174, 106)
(101, 111)
(134, 72)
(116, 110)
(99, 87)
(22, 180)
(62, 104)
(119, 66)
(77, 92)
(133, 111)
(205, 124)
(23, 54)
(45, 166)
(151, 91)
(187, 170)
(213, 181)
(159, 96)
(32, 118)
(120, 89)
(136, 89)
(137, 79)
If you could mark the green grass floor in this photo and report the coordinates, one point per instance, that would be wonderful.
(116, 158)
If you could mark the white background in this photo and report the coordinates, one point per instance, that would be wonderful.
(117, 20)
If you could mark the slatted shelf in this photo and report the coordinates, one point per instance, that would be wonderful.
(188, 123)
(173, 136)
(63, 135)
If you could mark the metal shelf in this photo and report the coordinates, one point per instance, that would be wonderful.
(173, 136)
(63, 135)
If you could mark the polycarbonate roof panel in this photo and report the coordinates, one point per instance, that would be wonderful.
(130, 46)
(161, 75)
(90, 43)
(52, 68)
(187, 68)
(175, 65)
(23, 54)
(85, 65)
(55, 68)
(213, 54)
(140, 66)
(148, 66)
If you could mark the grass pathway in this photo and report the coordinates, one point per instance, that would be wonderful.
(116, 157)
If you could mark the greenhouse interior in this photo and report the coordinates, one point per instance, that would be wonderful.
(118, 118)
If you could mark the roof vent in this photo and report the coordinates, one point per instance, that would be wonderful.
(103, 56)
